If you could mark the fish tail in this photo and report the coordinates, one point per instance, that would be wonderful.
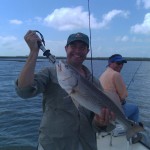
(133, 130)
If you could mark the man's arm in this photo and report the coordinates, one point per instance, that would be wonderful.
(26, 77)
(120, 87)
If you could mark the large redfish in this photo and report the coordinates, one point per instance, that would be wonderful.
(90, 97)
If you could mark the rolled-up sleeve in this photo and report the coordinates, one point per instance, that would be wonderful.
(41, 81)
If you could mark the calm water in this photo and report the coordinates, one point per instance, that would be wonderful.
(20, 119)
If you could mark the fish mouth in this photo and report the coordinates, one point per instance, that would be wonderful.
(60, 69)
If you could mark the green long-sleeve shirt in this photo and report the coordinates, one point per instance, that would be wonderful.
(63, 126)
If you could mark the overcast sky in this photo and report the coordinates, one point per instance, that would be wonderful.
(117, 26)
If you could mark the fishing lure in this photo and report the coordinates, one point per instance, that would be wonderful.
(46, 52)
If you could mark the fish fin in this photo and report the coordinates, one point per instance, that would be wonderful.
(115, 99)
(75, 103)
(66, 96)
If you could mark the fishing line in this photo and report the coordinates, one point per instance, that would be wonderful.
(52, 57)
(90, 39)
(132, 80)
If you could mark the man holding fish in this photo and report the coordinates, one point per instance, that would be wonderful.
(66, 124)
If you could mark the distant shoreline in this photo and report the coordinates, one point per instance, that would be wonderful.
(88, 58)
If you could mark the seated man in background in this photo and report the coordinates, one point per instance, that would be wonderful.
(112, 81)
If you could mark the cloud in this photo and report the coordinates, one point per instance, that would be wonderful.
(12, 46)
(4, 40)
(123, 38)
(137, 39)
(112, 14)
(38, 19)
(15, 21)
(7, 43)
(75, 18)
(69, 18)
(143, 28)
(144, 3)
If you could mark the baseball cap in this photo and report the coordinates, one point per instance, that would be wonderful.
(117, 58)
(78, 37)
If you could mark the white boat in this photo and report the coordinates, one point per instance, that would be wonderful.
(116, 140)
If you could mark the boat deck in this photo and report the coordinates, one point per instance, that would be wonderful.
(104, 142)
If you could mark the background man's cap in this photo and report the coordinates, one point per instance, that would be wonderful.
(117, 58)
(78, 37)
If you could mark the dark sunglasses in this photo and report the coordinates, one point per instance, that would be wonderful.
(119, 63)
